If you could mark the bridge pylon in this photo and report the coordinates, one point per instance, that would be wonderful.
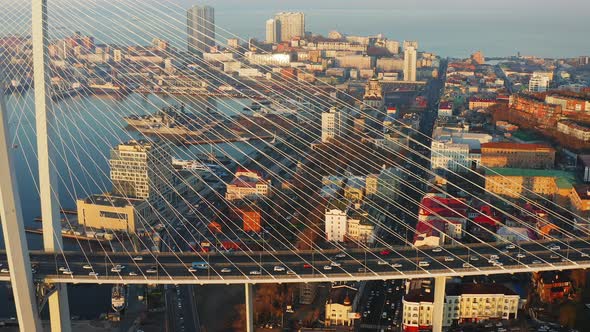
(439, 303)
(249, 308)
(17, 250)
(59, 311)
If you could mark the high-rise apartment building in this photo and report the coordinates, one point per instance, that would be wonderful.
(273, 31)
(410, 43)
(200, 28)
(409, 63)
(141, 169)
(332, 124)
(291, 25)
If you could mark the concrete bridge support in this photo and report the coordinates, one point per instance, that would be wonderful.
(13, 228)
(58, 302)
(439, 303)
(249, 308)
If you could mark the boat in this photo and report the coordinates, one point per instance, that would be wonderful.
(118, 294)
(189, 165)
(107, 88)
(63, 92)
(253, 107)
(171, 121)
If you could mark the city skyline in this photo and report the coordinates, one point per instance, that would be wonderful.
(427, 193)
(502, 34)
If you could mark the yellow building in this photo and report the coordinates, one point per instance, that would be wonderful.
(580, 199)
(247, 184)
(339, 306)
(506, 154)
(115, 213)
(517, 182)
(371, 184)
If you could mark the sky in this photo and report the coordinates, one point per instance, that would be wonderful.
(446, 27)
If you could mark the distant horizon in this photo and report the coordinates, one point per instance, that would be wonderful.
(455, 28)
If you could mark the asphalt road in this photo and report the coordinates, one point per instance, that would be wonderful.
(353, 261)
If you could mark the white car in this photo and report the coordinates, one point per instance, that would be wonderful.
(327, 267)
(341, 255)
(536, 261)
(61, 269)
(290, 272)
(423, 264)
(116, 269)
(279, 268)
(473, 258)
(137, 258)
(192, 269)
(255, 272)
(396, 265)
(510, 246)
(87, 267)
(437, 249)
(93, 274)
(226, 270)
(335, 264)
(467, 265)
(132, 274)
(5, 270)
(152, 270)
(381, 262)
(520, 255)
(449, 259)
(554, 247)
(67, 271)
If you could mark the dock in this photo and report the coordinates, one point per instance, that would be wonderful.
(64, 235)
(226, 140)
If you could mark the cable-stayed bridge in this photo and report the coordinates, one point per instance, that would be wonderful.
(307, 266)
(76, 143)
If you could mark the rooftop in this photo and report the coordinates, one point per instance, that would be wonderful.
(469, 288)
(563, 179)
(107, 199)
(516, 146)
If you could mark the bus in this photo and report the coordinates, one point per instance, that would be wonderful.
(200, 265)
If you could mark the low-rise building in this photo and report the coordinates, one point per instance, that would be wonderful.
(574, 129)
(339, 306)
(464, 303)
(445, 109)
(517, 155)
(247, 184)
(360, 228)
(580, 203)
(517, 182)
(114, 213)
(552, 285)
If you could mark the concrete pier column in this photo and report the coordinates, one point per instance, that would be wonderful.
(439, 303)
(249, 308)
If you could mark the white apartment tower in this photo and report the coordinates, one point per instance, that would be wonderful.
(336, 222)
(273, 31)
(141, 169)
(291, 25)
(410, 43)
(200, 28)
(409, 64)
(332, 124)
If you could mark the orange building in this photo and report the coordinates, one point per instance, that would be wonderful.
(517, 155)
(251, 219)
(535, 109)
(552, 285)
